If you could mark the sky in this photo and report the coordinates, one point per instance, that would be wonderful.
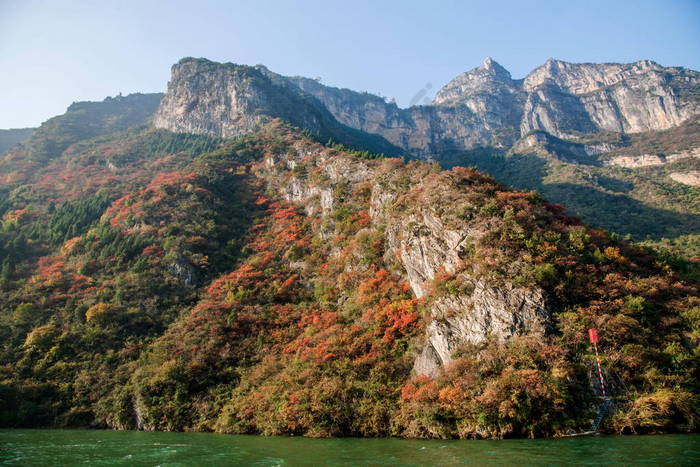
(55, 52)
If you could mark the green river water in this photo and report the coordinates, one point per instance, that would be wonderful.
(134, 448)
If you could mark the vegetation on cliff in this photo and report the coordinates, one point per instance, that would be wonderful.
(254, 286)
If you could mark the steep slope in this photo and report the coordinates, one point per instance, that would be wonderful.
(559, 130)
(82, 121)
(228, 100)
(280, 286)
(588, 98)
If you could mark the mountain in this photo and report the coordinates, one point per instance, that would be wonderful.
(228, 100)
(486, 107)
(82, 121)
(571, 131)
(9, 138)
(216, 267)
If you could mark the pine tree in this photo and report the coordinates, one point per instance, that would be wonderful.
(8, 269)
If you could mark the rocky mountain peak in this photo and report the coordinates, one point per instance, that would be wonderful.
(492, 65)
(489, 77)
(479, 108)
(226, 99)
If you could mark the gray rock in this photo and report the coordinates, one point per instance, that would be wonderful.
(422, 243)
(184, 271)
(483, 107)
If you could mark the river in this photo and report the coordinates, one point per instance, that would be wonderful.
(134, 448)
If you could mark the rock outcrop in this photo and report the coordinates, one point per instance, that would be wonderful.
(424, 242)
(691, 178)
(646, 160)
(229, 100)
(483, 107)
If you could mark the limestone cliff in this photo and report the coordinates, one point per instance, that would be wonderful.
(486, 107)
(483, 107)
(425, 240)
(567, 97)
(228, 100)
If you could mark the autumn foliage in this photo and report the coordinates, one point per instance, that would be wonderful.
(226, 291)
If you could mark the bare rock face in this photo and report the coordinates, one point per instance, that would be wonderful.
(499, 310)
(633, 162)
(486, 107)
(691, 178)
(628, 98)
(184, 271)
(483, 107)
(421, 130)
(487, 91)
(427, 245)
(424, 243)
(228, 100)
(646, 160)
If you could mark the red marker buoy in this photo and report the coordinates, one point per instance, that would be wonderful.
(593, 337)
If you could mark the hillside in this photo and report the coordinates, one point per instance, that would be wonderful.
(8, 138)
(82, 121)
(581, 134)
(271, 284)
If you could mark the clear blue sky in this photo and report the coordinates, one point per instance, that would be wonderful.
(55, 52)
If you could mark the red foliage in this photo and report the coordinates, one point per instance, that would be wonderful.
(401, 317)
(152, 250)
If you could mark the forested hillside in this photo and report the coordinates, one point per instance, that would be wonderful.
(271, 284)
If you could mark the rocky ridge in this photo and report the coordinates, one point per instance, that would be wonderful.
(481, 107)
(570, 125)
(229, 100)
(425, 240)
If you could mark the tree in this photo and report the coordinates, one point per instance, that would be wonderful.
(8, 269)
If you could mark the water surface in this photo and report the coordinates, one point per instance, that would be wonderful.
(134, 448)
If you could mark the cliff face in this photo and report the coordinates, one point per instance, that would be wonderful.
(426, 240)
(642, 96)
(486, 107)
(423, 131)
(479, 108)
(229, 100)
